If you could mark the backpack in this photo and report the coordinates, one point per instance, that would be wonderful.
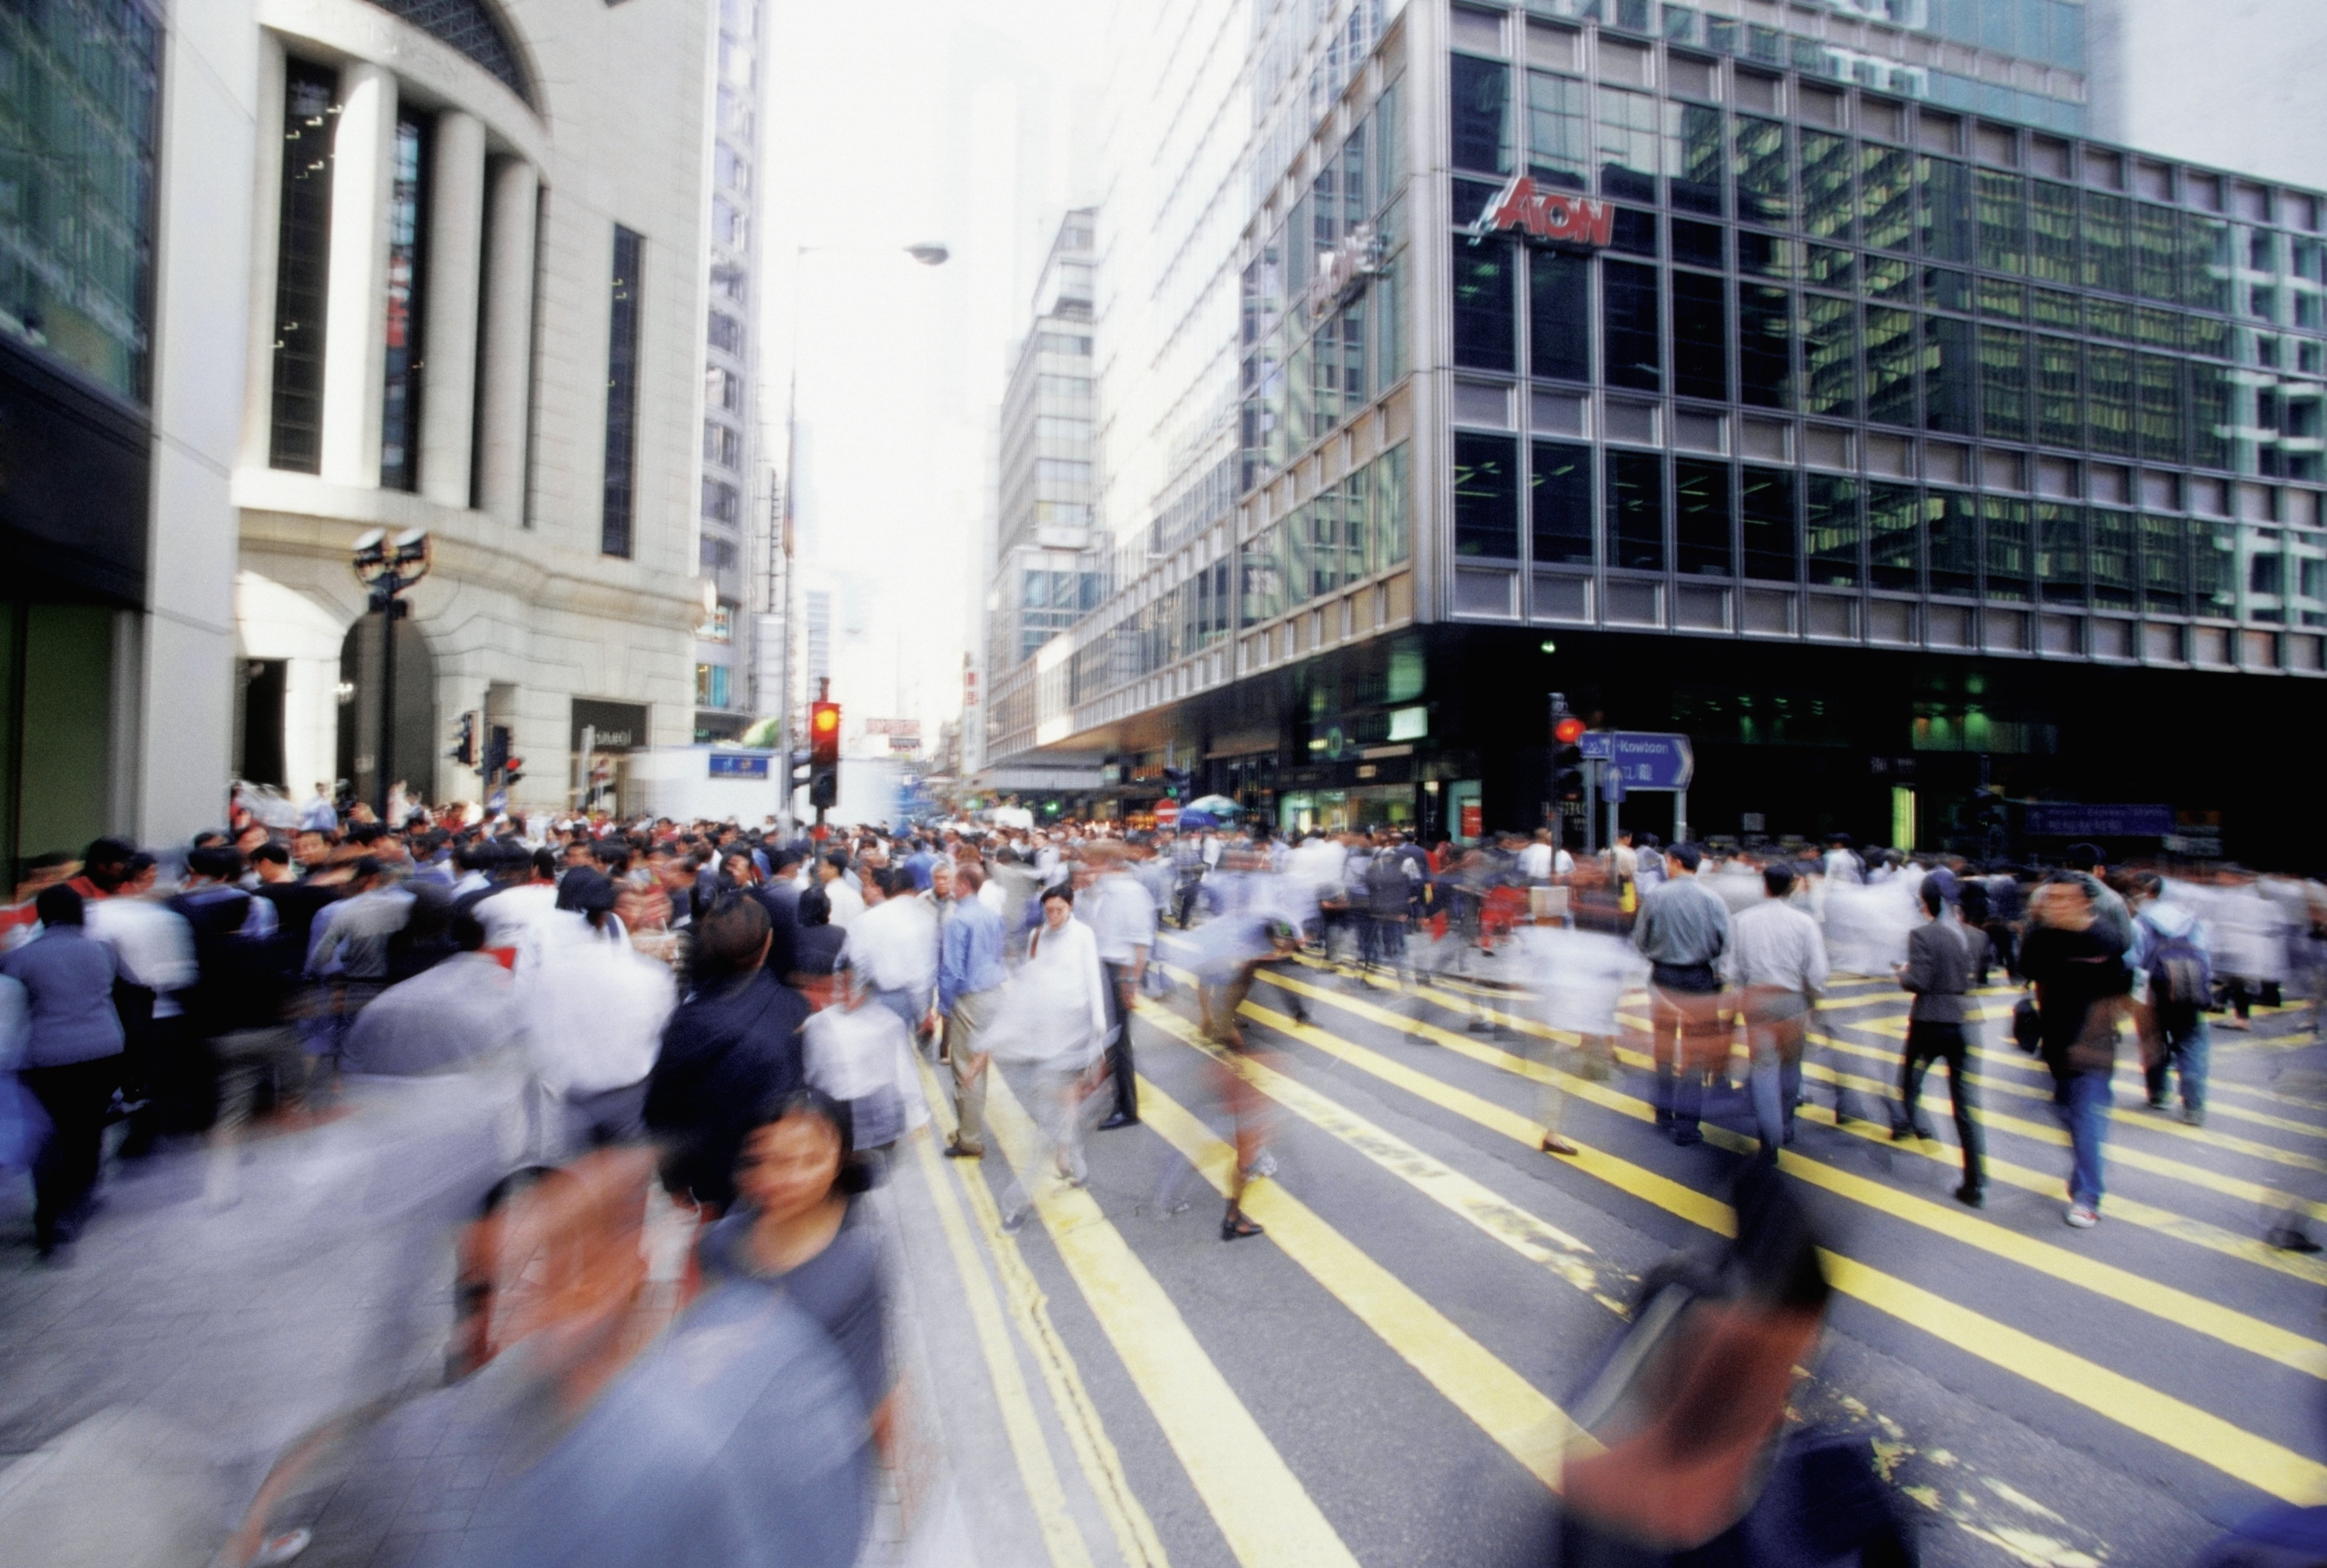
(2181, 978)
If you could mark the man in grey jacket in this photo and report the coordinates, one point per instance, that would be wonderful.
(72, 1057)
(1941, 955)
(1683, 931)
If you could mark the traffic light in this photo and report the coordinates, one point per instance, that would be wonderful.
(1566, 755)
(464, 740)
(1175, 783)
(512, 771)
(824, 785)
(497, 753)
(824, 734)
(1568, 730)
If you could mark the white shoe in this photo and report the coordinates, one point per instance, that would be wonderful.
(2083, 1216)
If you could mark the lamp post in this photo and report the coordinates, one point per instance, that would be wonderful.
(386, 567)
(928, 253)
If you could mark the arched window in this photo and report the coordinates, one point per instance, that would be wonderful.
(470, 27)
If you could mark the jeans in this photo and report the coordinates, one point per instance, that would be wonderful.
(1688, 1044)
(1776, 1024)
(2083, 1101)
(2184, 1046)
(1118, 1045)
(1929, 1042)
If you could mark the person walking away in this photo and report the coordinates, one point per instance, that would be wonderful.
(350, 956)
(1941, 955)
(2176, 983)
(1971, 899)
(1054, 1015)
(1227, 976)
(893, 947)
(1776, 960)
(153, 960)
(1391, 885)
(1683, 931)
(1122, 919)
(733, 1042)
(969, 982)
(72, 1058)
(2081, 981)
(1579, 976)
(594, 1010)
(2249, 937)
(1842, 862)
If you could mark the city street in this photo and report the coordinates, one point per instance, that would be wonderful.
(1382, 1378)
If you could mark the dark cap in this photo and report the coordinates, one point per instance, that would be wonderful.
(586, 890)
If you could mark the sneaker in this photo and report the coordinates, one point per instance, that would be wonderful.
(1686, 1137)
(1976, 1197)
(1264, 1165)
(2083, 1216)
(2195, 1115)
(2287, 1238)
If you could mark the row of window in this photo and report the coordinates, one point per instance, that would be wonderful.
(1700, 336)
(1348, 532)
(1705, 517)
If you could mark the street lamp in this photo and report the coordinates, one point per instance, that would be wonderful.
(928, 253)
(386, 567)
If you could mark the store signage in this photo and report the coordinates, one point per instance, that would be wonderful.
(1560, 216)
(1343, 270)
(2063, 819)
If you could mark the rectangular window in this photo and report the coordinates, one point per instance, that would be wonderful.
(2109, 399)
(1701, 517)
(721, 501)
(2108, 262)
(2205, 263)
(1055, 428)
(1486, 305)
(1948, 378)
(615, 519)
(1059, 472)
(2112, 559)
(407, 228)
(1894, 516)
(1559, 131)
(712, 687)
(1636, 511)
(1628, 144)
(1765, 353)
(2214, 568)
(2159, 416)
(1698, 172)
(1954, 546)
(303, 266)
(2209, 415)
(1260, 566)
(1886, 197)
(2004, 383)
(2059, 422)
(721, 444)
(2154, 242)
(726, 333)
(1773, 548)
(1630, 339)
(1700, 336)
(2060, 553)
(1486, 495)
(1943, 209)
(2165, 565)
(1892, 361)
(719, 626)
(2002, 221)
(1559, 318)
(2052, 232)
(722, 389)
(1831, 529)
(1830, 356)
(1479, 103)
(2008, 553)
(1827, 206)
(1561, 503)
(1765, 187)
(1392, 523)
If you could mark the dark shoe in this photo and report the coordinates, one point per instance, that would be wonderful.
(1686, 1137)
(1553, 1144)
(956, 1150)
(2286, 1238)
(2157, 1102)
(1117, 1120)
(1972, 1197)
(1234, 1225)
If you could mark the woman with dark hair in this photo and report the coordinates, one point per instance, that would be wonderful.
(816, 949)
(796, 1229)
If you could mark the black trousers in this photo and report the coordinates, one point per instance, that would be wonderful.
(1928, 1044)
(76, 1098)
(1118, 1049)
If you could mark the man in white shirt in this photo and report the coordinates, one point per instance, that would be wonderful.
(893, 948)
(846, 902)
(509, 913)
(1777, 959)
(1122, 916)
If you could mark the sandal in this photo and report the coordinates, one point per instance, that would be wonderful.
(1234, 1224)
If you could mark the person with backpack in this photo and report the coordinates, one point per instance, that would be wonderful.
(2171, 942)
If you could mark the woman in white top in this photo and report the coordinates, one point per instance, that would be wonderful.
(1054, 1015)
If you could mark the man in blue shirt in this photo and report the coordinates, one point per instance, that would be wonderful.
(969, 979)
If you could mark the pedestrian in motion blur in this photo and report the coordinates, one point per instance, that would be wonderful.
(2077, 965)
(1777, 959)
(1942, 955)
(1683, 931)
(72, 1057)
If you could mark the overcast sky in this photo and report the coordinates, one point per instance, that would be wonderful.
(967, 122)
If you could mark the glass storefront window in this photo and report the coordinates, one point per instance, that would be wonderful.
(1560, 503)
(1486, 495)
(1701, 517)
(1832, 531)
(1772, 552)
(1636, 511)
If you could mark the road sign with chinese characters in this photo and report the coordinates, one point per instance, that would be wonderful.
(1644, 760)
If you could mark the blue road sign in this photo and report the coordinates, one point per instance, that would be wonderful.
(1594, 744)
(1611, 782)
(738, 765)
(1644, 761)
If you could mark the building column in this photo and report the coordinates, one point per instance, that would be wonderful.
(508, 376)
(267, 229)
(456, 234)
(355, 333)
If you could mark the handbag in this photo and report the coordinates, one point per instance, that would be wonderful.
(2027, 1025)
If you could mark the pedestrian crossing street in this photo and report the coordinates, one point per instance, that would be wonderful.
(1378, 1378)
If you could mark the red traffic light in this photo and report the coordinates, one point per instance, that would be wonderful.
(824, 733)
(1568, 730)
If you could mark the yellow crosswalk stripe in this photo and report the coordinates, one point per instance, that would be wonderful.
(1019, 1425)
(1505, 1405)
(1263, 1512)
(1137, 1542)
(1529, 1234)
(2172, 1422)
